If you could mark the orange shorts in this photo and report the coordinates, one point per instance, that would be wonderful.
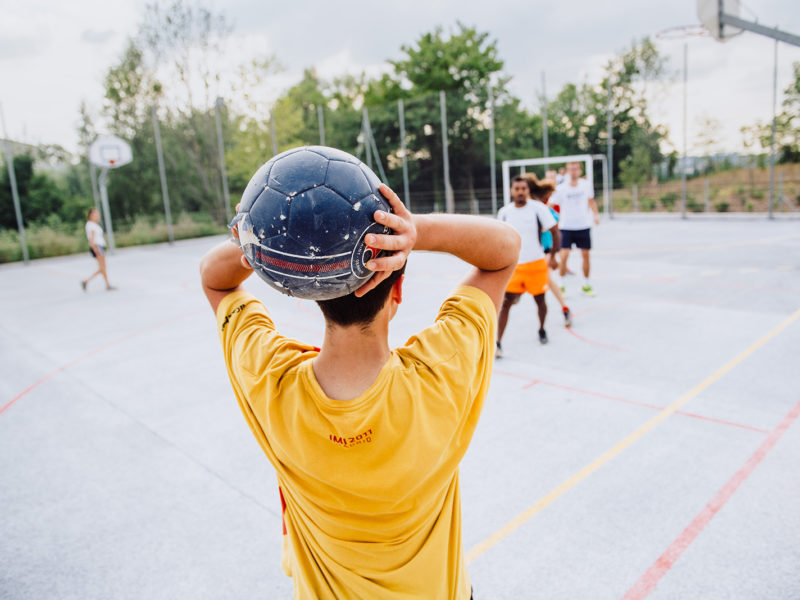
(529, 277)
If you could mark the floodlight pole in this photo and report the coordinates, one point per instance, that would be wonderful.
(492, 151)
(772, 156)
(106, 210)
(220, 104)
(448, 189)
(545, 133)
(163, 175)
(683, 168)
(321, 120)
(12, 179)
(609, 192)
(401, 113)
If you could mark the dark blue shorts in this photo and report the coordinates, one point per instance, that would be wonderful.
(581, 238)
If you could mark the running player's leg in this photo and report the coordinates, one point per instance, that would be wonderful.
(563, 257)
(554, 284)
(541, 306)
(585, 245)
(502, 319)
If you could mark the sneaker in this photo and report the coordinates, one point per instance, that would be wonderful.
(83, 285)
(567, 317)
(542, 336)
(587, 289)
(498, 352)
(111, 288)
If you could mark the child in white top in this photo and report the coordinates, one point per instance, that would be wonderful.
(97, 246)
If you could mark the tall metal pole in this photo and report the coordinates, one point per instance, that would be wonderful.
(273, 133)
(683, 169)
(492, 156)
(106, 210)
(610, 148)
(12, 179)
(163, 174)
(321, 120)
(401, 113)
(545, 134)
(365, 135)
(220, 104)
(772, 157)
(448, 189)
(93, 179)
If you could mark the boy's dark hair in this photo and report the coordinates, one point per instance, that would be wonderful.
(349, 310)
(518, 178)
(89, 213)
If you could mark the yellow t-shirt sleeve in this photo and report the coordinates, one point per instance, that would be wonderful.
(456, 354)
(256, 355)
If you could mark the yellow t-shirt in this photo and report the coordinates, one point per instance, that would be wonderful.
(370, 485)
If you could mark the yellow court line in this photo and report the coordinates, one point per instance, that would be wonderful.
(567, 485)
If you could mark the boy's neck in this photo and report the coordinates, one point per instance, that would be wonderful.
(351, 358)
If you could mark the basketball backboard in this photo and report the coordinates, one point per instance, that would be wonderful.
(709, 11)
(110, 152)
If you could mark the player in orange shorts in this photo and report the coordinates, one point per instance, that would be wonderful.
(530, 218)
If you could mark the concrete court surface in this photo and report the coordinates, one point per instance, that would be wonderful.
(651, 451)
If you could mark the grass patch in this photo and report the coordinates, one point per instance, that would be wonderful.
(54, 238)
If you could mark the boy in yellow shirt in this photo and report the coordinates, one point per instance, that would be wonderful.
(366, 440)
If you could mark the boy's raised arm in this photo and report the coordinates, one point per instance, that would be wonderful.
(222, 271)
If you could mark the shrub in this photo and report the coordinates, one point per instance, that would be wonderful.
(722, 206)
(694, 206)
(668, 200)
(750, 206)
(757, 194)
(647, 204)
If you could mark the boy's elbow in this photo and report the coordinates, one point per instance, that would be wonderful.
(513, 246)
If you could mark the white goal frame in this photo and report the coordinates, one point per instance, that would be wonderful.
(587, 160)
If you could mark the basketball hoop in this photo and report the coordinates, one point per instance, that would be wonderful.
(682, 32)
(110, 152)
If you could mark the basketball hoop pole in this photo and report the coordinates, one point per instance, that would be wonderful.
(102, 180)
(770, 32)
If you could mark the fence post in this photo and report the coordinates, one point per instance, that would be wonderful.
(492, 151)
(683, 170)
(12, 179)
(321, 119)
(610, 151)
(163, 174)
(707, 195)
(401, 112)
(772, 156)
(448, 189)
(781, 198)
(545, 133)
(273, 133)
(226, 196)
(635, 198)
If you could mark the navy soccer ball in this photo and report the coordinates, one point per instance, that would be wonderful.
(303, 218)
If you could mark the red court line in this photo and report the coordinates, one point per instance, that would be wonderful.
(648, 582)
(571, 330)
(89, 354)
(532, 382)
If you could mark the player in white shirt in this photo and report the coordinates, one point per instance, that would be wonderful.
(529, 218)
(97, 246)
(578, 211)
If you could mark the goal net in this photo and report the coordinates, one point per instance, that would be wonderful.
(588, 160)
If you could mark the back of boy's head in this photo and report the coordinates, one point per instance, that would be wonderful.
(350, 310)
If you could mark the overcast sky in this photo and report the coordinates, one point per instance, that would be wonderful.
(54, 54)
